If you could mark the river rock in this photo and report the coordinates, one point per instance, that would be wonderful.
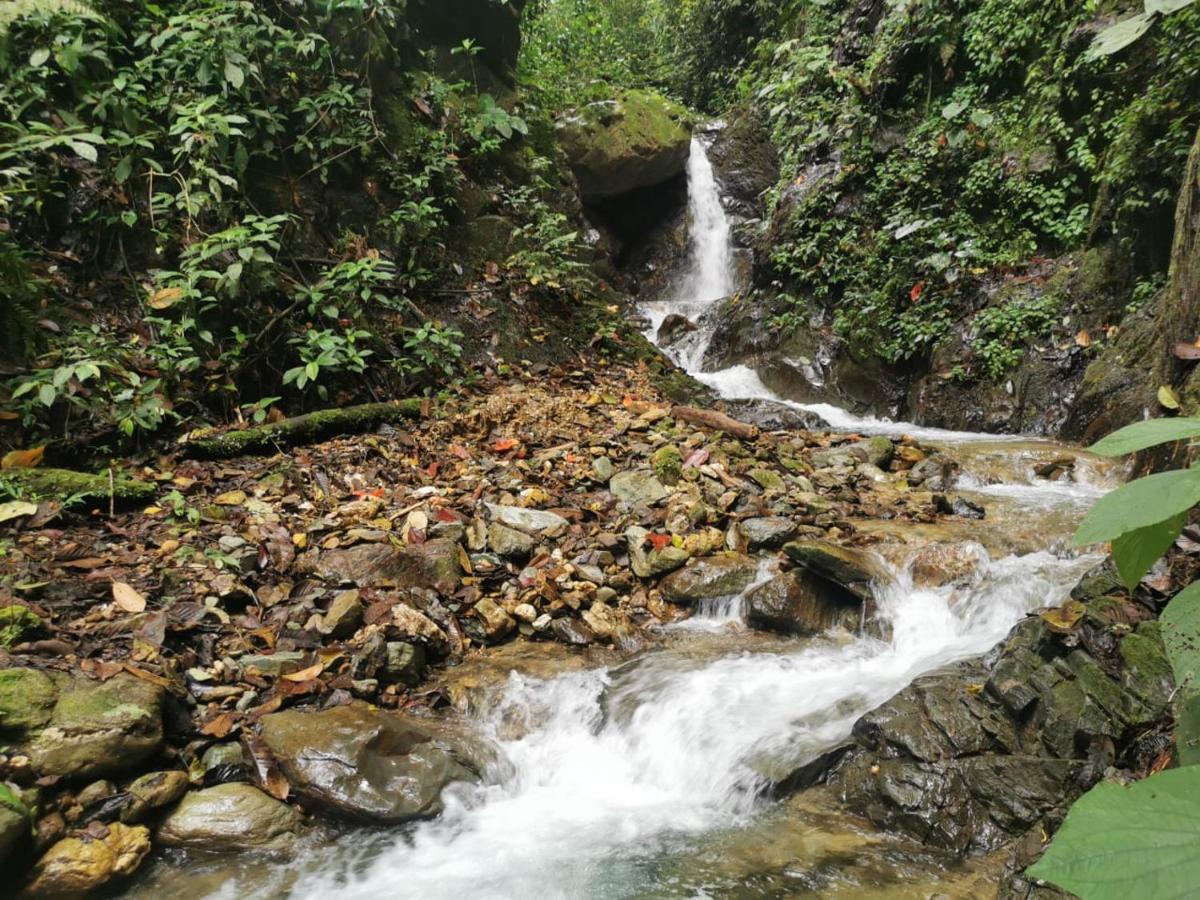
(709, 579)
(358, 764)
(534, 521)
(155, 791)
(27, 698)
(100, 728)
(233, 816)
(344, 616)
(797, 603)
(433, 564)
(602, 468)
(935, 565)
(638, 140)
(973, 755)
(405, 662)
(854, 570)
(767, 532)
(647, 562)
(509, 542)
(572, 631)
(272, 665)
(497, 623)
(76, 866)
(14, 822)
(637, 487)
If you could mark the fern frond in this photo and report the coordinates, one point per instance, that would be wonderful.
(12, 10)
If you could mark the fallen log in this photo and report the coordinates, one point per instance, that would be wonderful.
(706, 418)
(64, 484)
(307, 428)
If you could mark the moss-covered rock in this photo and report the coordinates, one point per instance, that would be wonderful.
(14, 821)
(27, 698)
(65, 484)
(667, 463)
(16, 623)
(637, 140)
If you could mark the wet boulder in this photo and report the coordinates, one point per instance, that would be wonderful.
(647, 562)
(233, 816)
(709, 578)
(76, 866)
(362, 765)
(767, 532)
(853, 570)
(797, 603)
(99, 728)
(27, 698)
(637, 140)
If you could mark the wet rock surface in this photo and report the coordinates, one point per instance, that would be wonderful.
(798, 603)
(709, 579)
(973, 756)
(229, 817)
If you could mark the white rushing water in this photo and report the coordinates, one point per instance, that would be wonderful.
(615, 770)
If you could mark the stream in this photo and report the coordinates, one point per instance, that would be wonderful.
(649, 778)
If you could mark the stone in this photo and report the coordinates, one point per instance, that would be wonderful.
(344, 616)
(639, 139)
(405, 662)
(27, 698)
(273, 665)
(526, 612)
(647, 562)
(958, 506)
(14, 822)
(572, 631)
(232, 816)
(854, 570)
(710, 578)
(80, 865)
(770, 481)
(535, 521)
(414, 625)
(369, 766)
(602, 620)
(228, 753)
(155, 791)
(879, 450)
(95, 792)
(767, 532)
(935, 565)
(509, 542)
(433, 564)
(602, 468)
(497, 624)
(637, 487)
(100, 728)
(797, 603)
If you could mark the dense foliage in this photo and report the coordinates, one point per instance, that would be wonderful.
(210, 206)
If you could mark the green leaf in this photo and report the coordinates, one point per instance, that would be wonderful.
(15, 509)
(1181, 633)
(1166, 7)
(1117, 37)
(1187, 726)
(1146, 501)
(1150, 433)
(234, 75)
(1120, 842)
(1135, 552)
(47, 394)
(124, 168)
(38, 57)
(84, 150)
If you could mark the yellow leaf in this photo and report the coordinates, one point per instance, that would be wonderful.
(1083, 339)
(1065, 618)
(14, 509)
(127, 598)
(23, 459)
(1167, 397)
(231, 498)
(165, 298)
(306, 674)
(300, 540)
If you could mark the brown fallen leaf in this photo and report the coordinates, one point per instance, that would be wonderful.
(1185, 350)
(1064, 619)
(305, 674)
(219, 727)
(148, 676)
(23, 459)
(266, 771)
(127, 598)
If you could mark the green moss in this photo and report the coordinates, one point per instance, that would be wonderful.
(16, 622)
(27, 698)
(667, 463)
(64, 484)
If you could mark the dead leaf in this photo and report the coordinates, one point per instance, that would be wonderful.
(230, 498)
(148, 676)
(1184, 350)
(917, 290)
(1167, 397)
(658, 541)
(266, 771)
(15, 509)
(219, 727)
(127, 598)
(503, 445)
(165, 298)
(305, 674)
(1064, 619)
(23, 459)
(1083, 339)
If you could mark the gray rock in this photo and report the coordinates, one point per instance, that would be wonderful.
(100, 728)
(647, 562)
(602, 468)
(364, 765)
(231, 816)
(272, 665)
(572, 631)
(537, 521)
(854, 570)
(497, 624)
(344, 616)
(405, 662)
(433, 564)
(637, 488)
(155, 791)
(228, 753)
(767, 532)
(709, 578)
(797, 603)
(509, 542)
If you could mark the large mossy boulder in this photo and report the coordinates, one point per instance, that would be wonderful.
(79, 728)
(638, 140)
(363, 765)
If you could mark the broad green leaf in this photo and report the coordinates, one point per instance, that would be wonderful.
(1117, 37)
(15, 509)
(1150, 433)
(1120, 843)
(1135, 552)
(1143, 502)
(1166, 7)
(234, 74)
(1181, 634)
(1187, 727)
(47, 394)
(38, 57)
(84, 150)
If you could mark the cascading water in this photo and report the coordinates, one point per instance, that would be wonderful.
(617, 777)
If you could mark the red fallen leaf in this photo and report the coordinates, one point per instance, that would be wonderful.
(459, 451)
(696, 459)
(659, 541)
(361, 495)
(503, 445)
(444, 515)
(917, 290)
(432, 469)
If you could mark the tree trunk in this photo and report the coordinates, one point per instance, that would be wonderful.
(1179, 321)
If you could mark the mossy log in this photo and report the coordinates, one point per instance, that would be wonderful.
(310, 427)
(61, 484)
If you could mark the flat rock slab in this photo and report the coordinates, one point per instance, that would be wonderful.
(433, 564)
(638, 487)
(369, 766)
(537, 521)
(854, 570)
(710, 578)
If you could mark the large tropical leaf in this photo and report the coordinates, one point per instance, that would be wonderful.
(1150, 433)
(1136, 551)
(1119, 842)
(1117, 37)
(1181, 636)
(1138, 504)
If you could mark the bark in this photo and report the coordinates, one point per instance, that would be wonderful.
(715, 420)
(1180, 318)
(300, 429)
